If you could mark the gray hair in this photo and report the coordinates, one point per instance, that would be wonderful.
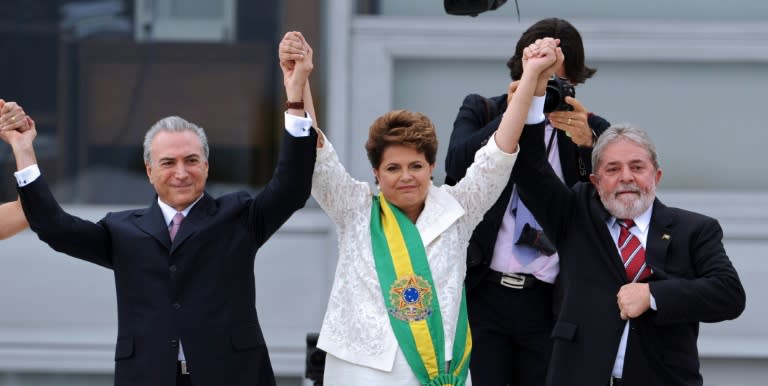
(177, 125)
(626, 132)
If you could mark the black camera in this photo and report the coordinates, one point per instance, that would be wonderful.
(315, 362)
(557, 89)
(535, 238)
(470, 7)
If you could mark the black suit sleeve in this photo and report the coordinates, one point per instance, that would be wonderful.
(547, 197)
(288, 189)
(477, 120)
(711, 291)
(62, 231)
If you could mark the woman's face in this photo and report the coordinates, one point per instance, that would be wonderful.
(404, 178)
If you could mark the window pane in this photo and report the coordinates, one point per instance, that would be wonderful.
(94, 92)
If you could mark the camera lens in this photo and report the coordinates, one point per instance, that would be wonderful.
(557, 89)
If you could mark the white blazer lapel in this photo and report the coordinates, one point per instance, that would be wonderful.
(440, 211)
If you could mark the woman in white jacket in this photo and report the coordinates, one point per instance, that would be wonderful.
(397, 313)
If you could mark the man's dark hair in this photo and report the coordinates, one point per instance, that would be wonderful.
(570, 42)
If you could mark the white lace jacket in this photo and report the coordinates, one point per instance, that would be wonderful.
(356, 326)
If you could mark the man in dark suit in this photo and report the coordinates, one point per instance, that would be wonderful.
(635, 291)
(183, 266)
(508, 348)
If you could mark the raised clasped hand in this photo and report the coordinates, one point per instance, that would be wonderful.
(14, 122)
(541, 55)
(295, 56)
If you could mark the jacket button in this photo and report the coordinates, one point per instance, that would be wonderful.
(176, 306)
(174, 343)
(172, 268)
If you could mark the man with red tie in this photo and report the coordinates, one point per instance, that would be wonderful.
(638, 276)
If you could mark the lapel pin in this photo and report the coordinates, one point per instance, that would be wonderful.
(665, 237)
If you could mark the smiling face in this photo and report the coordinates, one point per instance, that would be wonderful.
(404, 177)
(626, 179)
(178, 168)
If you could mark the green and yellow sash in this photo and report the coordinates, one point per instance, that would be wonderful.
(411, 301)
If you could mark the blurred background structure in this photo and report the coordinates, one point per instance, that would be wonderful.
(96, 74)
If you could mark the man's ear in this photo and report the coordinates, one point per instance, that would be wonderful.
(594, 179)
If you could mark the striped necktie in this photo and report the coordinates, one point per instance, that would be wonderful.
(175, 224)
(632, 253)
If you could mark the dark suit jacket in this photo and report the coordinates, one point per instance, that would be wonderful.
(476, 121)
(199, 289)
(693, 282)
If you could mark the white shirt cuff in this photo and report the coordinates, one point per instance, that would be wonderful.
(536, 112)
(653, 303)
(27, 175)
(298, 126)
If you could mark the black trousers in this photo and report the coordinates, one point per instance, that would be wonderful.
(511, 329)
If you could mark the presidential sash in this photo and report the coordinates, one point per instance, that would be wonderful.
(409, 295)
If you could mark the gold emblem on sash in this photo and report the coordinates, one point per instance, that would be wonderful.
(411, 298)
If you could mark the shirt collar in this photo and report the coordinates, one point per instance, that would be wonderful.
(642, 222)
(169, 212)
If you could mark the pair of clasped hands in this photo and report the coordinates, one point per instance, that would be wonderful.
(15, 124)
(574, 123)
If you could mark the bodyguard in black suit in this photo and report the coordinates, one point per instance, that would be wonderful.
(613, 328)
(185, 291)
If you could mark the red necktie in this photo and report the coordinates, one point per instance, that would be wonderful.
(175, 224)
(632, 253)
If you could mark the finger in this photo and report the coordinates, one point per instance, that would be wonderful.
(559, 56)
(15, 123)
(290, 57)
(513, 86)
(9, 117)
(291, 41)
(577, 106)
(26, 124)
(302, 39)
(561, 122)
(296, 43)
(20, 124)
(29, 123)
(7, 107)
(292, 35)
(528, 52)
(288, 47)
(16, 110)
